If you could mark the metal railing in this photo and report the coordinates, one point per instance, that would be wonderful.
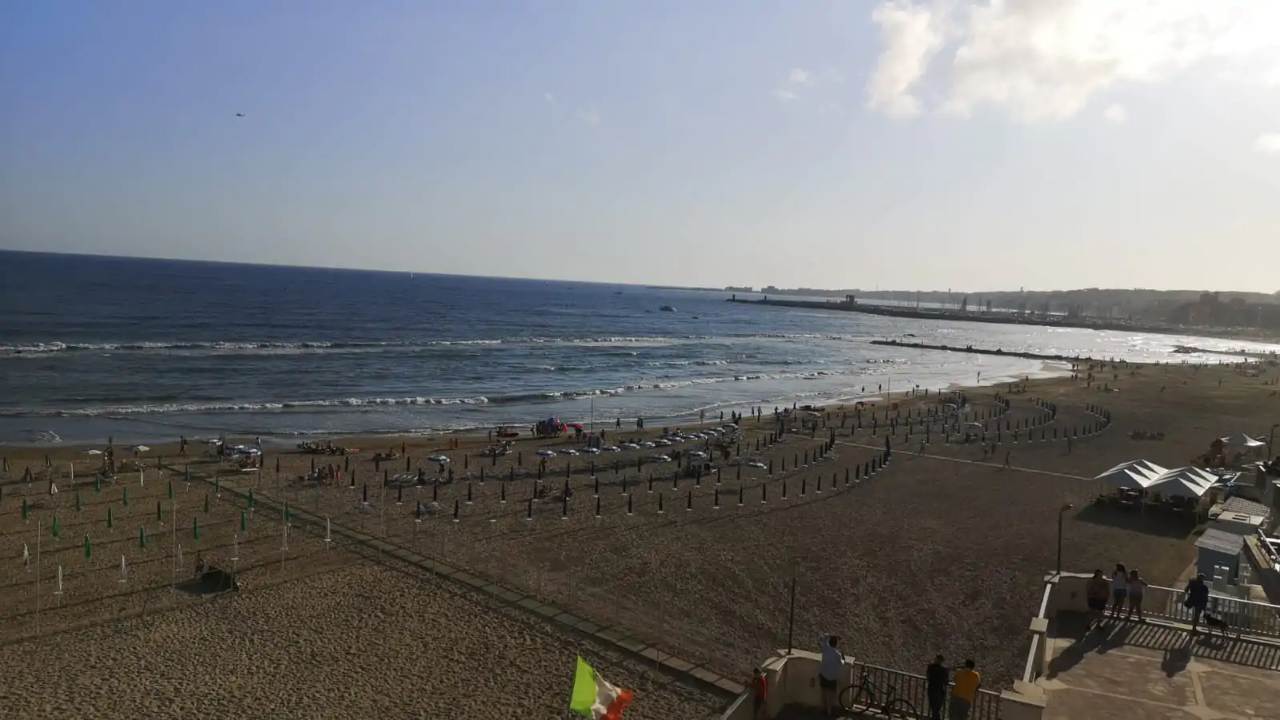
(1245, 615)
(1035, 655)
(914, 689)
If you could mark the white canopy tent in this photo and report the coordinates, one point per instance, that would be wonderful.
(1132, 475)
(1239, 439)
(1184, 482)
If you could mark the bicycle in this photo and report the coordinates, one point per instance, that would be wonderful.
(862, 698)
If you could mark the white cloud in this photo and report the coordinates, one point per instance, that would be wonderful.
(798, 79)
(590, 116)
(911, 35)
(1268, 143)
(1043, 60)
(1115, 113)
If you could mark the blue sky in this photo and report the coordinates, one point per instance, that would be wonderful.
(925, 144)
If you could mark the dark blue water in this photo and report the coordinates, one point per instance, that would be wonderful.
(148, 349)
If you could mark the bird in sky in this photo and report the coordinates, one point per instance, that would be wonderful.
(239, 114)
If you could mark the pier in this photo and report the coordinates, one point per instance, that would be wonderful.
(849, 304)
(978, 351)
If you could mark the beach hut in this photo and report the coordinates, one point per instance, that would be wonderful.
(1218, 554)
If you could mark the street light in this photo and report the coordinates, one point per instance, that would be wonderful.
(1271, 439)
(1061, 511)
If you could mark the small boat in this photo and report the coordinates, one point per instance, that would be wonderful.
(667, 308)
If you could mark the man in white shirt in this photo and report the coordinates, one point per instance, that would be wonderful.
(829, 670)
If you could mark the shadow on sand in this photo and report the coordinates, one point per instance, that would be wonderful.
(1152, 521)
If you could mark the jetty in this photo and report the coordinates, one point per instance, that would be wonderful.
(979, 351)
(1003, 317)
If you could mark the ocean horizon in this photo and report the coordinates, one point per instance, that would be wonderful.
(146, 350)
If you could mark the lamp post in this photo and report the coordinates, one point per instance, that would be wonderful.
(1061, 511)
(1271, 440)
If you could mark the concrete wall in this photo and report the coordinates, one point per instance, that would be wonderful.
(793, 680)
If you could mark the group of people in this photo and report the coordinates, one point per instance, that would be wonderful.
(1123, 593)
(962, 681)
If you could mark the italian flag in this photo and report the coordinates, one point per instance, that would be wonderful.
(595, 698)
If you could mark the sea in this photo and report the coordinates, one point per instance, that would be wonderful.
(146, 350)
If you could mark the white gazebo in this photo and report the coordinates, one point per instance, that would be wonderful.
(1185, 482)
(1132, 475)
(1241, 440)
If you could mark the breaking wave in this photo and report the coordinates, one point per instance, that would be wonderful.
(237, 347)
(373, 402)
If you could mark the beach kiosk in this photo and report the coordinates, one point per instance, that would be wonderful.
(1218, 555)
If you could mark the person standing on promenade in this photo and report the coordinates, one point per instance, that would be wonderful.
(1119, 589)
(965, 691)
(936, 679)
(1096, 592)
(829, 670)
(1136, 587)
(1197, 600)
(759, 694)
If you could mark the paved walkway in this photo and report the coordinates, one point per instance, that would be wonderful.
(1141, 671)
(945, 458)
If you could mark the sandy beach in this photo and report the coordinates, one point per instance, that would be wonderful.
(356, 641)
(938, 552)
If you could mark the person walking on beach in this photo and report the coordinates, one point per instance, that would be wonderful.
(1096, 592)
(936, 679)
(1119, 589)
(1007, 454)
(829, 670)
(965, 691)
(759, 694)
(1137, 585)
(1197, 600)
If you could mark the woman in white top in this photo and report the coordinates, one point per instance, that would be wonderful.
(1119, 589)
(1136, 588)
